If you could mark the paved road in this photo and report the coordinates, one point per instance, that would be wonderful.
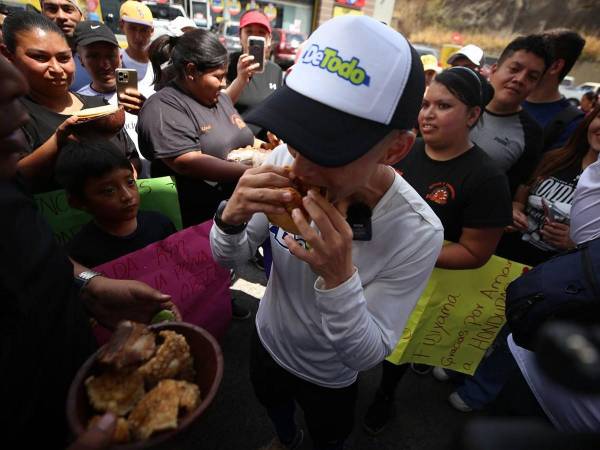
(235, 421)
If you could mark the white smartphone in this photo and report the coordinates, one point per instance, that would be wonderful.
(256, 48)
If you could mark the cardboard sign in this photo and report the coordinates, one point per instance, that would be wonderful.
(156, 194)
(458, 316)
(182, 266)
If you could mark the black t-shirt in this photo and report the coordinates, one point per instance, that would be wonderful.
(45, 122)
(93, 246)
(261, 84)
(170, 124)
(45, 333)
(467, 191)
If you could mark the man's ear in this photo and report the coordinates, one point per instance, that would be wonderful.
(556, 67)
(398, 147)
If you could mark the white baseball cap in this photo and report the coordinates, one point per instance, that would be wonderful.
(356, 80)
(471, 52)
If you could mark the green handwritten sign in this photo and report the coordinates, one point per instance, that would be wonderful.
(458, 316)
(156, 194)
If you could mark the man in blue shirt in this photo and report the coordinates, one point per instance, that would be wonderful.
(548, 107)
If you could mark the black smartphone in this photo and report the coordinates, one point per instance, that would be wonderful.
(256, 48)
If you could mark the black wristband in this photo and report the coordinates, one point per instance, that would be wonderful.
(226, 227)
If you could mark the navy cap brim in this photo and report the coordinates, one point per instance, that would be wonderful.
(326, 136)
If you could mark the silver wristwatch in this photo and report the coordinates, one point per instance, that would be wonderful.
(84, 278)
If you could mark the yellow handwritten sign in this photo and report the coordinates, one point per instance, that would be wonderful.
(458, 316)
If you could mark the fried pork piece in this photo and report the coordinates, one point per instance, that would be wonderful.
(116, 392)
(157, 411)
(188, 393)
(171, 357)
(131, 344)
(121, 434)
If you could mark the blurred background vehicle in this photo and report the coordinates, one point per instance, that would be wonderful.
(229, 35)
(199, 12)
(285, 45)
(488, 62)
(163, 13)
(574, 93)
(423, 49)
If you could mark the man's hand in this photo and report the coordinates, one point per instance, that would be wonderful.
(557, 234)
(254, 193)
(98, 436)
(132, 100)
(111, 301)
(246, 67)
(330, 254)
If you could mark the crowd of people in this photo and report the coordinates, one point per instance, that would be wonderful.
(489, 163)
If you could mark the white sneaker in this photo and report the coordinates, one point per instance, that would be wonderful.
(440, 374)
(458, 403)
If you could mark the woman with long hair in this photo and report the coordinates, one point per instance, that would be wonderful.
(541, 208)
(190, 125)
(461, 184)
(38, 48)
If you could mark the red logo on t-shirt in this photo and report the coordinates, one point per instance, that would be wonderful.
(440, 193)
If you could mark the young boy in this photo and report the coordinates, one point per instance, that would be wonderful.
(99, 180)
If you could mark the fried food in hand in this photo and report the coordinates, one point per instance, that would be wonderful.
(171, 357)
(116, 392)
(131, 344)
(121, 434)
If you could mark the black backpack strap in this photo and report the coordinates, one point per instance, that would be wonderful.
(556, 126)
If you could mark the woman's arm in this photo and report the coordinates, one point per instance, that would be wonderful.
(37, 166)
(473, 249)
(206, 167)
(518, 209)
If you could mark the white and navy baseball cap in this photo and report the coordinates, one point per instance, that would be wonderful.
(356, 80)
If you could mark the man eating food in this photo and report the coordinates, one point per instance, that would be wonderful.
(334, 305)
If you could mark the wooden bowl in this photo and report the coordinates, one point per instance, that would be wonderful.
(104, 126)
(208, 363)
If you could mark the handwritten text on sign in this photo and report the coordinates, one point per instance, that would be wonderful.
(182, 266)
(458, 316)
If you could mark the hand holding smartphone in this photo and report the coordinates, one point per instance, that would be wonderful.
(126, 78)
(256, 48)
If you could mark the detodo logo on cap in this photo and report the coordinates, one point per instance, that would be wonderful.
(329, 60)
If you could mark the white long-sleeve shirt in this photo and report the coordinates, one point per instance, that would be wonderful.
(327, 336)
(585, 210)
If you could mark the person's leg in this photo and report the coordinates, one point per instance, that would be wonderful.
(517, 400)
(490, 377)
(381, 410)
(328, 413)
(273, 387)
